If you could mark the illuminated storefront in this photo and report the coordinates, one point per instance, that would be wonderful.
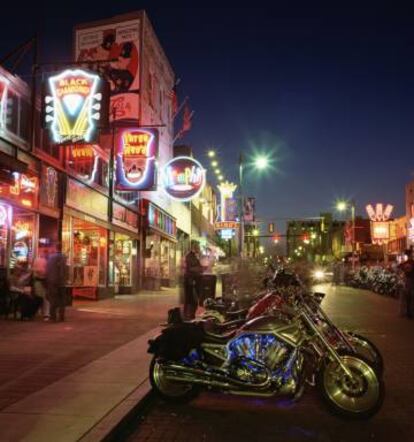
(18, 219)
(160, 245)
(102, 255)
(124, 246)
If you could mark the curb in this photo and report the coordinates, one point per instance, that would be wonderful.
(111, 427)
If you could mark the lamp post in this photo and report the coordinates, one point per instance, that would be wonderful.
(260, 163)
(342, 206)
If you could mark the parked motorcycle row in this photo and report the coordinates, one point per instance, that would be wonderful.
(379, 280)
(283, 343)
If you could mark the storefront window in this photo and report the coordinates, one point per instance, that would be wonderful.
(123, 256)
(22, 231)
(85, 244)
(152, 261)
(5, 218)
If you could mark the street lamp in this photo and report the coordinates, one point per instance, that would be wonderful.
(211, 154)
(343, 206)
(260, 162)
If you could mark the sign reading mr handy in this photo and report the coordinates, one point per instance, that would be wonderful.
(75, 106)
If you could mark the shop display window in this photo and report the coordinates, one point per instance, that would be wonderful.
(124, 252)
(22, 231)
(152, 261)
(3, 245)
(85, 244)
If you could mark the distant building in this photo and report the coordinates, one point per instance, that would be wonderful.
(315, 240)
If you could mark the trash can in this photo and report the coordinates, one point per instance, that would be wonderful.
(207, 287)
(227, 285)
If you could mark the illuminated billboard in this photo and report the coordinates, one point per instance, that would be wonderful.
(118, 43)
(183, 178)
(74, 106)
(136, 159)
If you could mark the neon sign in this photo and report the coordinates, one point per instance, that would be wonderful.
(5, 215)
(379, 214)
(226, 201)
(136, 159)
(380, 229)
(74, 107)
(3, 100)
(183, 178)
(24, 190)
(84, 162)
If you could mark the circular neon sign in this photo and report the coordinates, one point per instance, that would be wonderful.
(183, 178)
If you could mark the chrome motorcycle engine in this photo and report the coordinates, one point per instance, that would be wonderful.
(263, 348)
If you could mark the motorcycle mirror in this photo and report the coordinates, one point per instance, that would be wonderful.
(319, 295)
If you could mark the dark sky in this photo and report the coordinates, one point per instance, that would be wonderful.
(330, 91)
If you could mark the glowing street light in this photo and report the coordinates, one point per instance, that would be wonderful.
(211, 154)
(221, 177)
(256, 232)
(261, 162)
(341, 206)
(214, 163)
(217, 171)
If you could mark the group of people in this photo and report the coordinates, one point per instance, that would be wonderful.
(40, 286)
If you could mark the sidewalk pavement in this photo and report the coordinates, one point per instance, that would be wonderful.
(74, 380)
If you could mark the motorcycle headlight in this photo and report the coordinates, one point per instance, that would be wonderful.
(319, 274)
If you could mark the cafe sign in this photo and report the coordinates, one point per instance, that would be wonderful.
(75, 106)
(183, 178)
(136, 157)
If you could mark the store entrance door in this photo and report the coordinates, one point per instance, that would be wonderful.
(124, 257)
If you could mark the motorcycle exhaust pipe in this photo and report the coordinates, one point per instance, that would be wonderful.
(196, 376)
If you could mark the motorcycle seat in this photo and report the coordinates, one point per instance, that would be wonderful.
(213, 338)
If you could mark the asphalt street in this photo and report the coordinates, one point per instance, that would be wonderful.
(220, 417)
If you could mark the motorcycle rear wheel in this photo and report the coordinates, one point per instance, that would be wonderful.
(359, 397)
(169, 390)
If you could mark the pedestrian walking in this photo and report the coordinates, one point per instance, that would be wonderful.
(192, 273)
(39, 282)
(55, 278)
(407, 293)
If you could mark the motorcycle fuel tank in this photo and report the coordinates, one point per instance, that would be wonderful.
(289, 331)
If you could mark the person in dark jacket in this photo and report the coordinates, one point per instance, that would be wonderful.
(407, 294)
(55, 278)
(192, 273)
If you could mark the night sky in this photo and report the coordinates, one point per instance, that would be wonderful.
(329, 91)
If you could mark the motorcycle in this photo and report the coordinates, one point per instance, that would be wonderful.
(271, 303)
(268, 356)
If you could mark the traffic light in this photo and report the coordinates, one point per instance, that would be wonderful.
(275, 239)
(271, 227)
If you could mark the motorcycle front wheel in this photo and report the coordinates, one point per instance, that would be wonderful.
(368, 350)
(169, 390)
(359, 396)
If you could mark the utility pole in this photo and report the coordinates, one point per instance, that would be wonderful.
(241, 208)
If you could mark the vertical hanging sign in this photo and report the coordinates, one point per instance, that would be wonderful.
(136, 155)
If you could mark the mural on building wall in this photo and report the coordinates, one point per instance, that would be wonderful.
(118, 43)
